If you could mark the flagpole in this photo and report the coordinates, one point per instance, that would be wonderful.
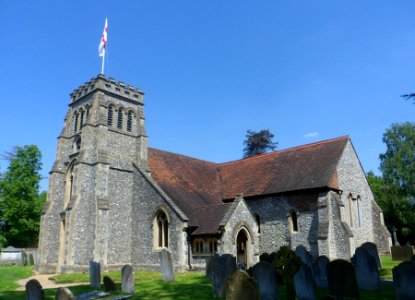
(103, 62)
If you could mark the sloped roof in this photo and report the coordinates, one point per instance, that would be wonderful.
(199, 187)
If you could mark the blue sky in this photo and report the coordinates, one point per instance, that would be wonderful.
(211, 70)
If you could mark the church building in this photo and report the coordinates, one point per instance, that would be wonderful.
(114, 200)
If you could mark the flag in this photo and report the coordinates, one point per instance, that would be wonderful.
(103, 42)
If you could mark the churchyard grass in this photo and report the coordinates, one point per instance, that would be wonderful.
(149, 285)
(9, 275)
(388, 264)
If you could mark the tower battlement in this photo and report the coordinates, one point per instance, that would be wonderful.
(109, 85)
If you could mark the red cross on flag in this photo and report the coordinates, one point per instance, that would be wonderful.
(103, 42)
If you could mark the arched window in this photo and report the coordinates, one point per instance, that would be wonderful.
(129, 120)
(213, 245)
(87, 113)
(258, 221)
(75, 126)
(81, 123)
(294, 221)
(161, 230)
(198, 245)
(119, 121)
(77, 144)
(110, 113)
(351, 214)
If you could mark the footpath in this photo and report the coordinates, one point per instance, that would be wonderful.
(45, 282)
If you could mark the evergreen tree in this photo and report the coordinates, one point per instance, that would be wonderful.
(258, 142)
(20, 202)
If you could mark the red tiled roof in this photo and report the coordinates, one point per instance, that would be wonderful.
(199, 187)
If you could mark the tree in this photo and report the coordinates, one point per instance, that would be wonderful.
(258, 142)
(398, 162)
(410, 96)
(397, 210)
(20, 202)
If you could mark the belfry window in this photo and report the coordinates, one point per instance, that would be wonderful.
(119, 121)
(81, 123)
(161, 230)
(110, 113)
(75, 126)
(294, 221)
(129, 121)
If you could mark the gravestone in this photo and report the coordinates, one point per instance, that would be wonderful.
(413, 258)
(402, 253)
(34, 290)
(342, 279)
(242, 287)
(305, 256)
(223, 266)
(366, 268)
(95, 274)
(266, 276)
(128, 282)
(373, 250)
(304, 285)
(208, 271)
(91, 295)
(404, 280)
(265, 257)
(64, 293)
(166, 265)
(109, 284)
(320, 271)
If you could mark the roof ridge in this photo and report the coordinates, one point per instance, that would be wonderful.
(182, 155)
(208, 205)
(286, 150)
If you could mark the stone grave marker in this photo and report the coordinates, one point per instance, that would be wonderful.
(366, 268)
(128, 282)
(91, 295)
(109, 284)
(404, 280)
(95, 274)
(342, 279)
(304, 285)
(265, 257)
(64, 293)
(266, 276)
(223, 266)
(320, 271)
(373, 250)
(208, 272)
(166, 265)
(305, 256)
(242, 287)
(34, 290)
(402, 253)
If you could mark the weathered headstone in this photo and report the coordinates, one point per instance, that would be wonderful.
(266, 276)
(404, 280)
(34, 290)
(304, 285)
(305, 256)
(265, 257)
(208, 271)
(223, 266)
(242, 287)
(373, 250)
(342, 279)
(128, 282)
(91, 295)
(402, 253)
(366, 268)
(64, 293)
(166, 265)
(109, 284)
(95, 274)
(320, 271)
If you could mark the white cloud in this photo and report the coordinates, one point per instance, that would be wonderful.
(311, 134)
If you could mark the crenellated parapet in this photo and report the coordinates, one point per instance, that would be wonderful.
(109, 86)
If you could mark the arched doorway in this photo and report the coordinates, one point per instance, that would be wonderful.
(242, 252)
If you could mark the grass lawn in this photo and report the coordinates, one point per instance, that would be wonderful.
(149, 285)
(388, 264)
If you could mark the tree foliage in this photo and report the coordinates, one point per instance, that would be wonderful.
(258, 142)
(398, 162)
(20, 202)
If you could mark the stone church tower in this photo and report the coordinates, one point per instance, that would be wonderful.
(103, 139)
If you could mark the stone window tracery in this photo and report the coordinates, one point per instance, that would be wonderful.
(161, 230)
(75, 126)
(213, 245)
(119, 121)
(198, 245)
(110, 115)
(129, 121)
(81, 123)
